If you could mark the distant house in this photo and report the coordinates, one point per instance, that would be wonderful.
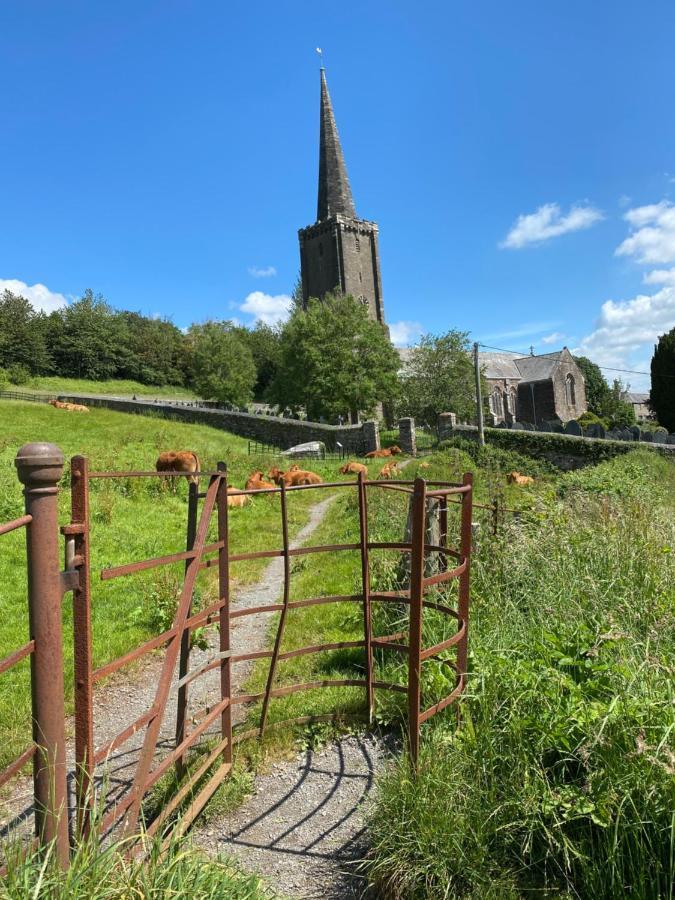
(535, 389)
(640, 404)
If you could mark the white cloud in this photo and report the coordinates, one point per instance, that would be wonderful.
(39, 295)
(548, 222)
(266, 308)
(262, 271)
(660, 276)
(626, 331)
(653, 237)
(553, 338)
(403, 334)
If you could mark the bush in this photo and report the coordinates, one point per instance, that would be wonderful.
(18, 374)
(590, 418)
(4, 379)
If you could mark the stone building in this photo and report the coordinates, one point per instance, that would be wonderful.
(532, 388)
(340, 250)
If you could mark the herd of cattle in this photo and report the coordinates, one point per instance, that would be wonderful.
(186, 462)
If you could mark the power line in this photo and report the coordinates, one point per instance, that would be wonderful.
(606, 368)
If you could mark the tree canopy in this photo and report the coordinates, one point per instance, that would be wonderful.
(222, 363)
(606, 402)
(438, 376)
(334, 360)
(662, 395)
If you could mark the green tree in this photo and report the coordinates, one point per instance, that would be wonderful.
(662, 395)
(438, 376)
(264, 342)
(222, 363)
(155, 350)
(88, 339)
(597, 389)
(23, 341)
(334, 360)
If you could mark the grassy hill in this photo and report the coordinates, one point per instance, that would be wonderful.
(52, 384)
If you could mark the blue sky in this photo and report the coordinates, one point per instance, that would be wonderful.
(519, 159)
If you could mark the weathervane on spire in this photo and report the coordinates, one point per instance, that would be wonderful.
(320, 52)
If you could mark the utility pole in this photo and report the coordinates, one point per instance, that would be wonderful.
(479, 399)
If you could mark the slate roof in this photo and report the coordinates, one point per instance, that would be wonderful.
(499, 365)
(637, 398)
(537, 368)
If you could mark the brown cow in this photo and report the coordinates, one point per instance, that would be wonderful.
(353, 468)
(255, 482)
(389, 470)
(71, 407)
(517, 478)
(384, 452)
(294, 476)
(236, 498)
(183, 462)
(425, 465)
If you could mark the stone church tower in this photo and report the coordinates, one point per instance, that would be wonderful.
(340, 250)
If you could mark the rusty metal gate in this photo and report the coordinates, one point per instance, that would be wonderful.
(196, 785)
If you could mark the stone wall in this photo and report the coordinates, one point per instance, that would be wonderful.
(562, 450)
(284, 433)
(407, 438)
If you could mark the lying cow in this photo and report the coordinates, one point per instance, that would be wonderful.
(294, 476)
(353, 468)
(71, 407)
(517, 478)
(255, 482)
(384, 452)
(182, 462)
(236, 498)
(389, 470)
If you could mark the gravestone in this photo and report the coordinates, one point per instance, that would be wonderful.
(518, 426)
(647, 437)
(573, 427)
(528, 426)
(614, 434)
(635, 431)
(595, 430)
(660, 435)
(557, 428)
(670, 439)
(545, 426)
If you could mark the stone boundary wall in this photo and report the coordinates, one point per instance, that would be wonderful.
(562, 450)
(284, 433)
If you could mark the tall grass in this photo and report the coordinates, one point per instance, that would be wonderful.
(112, 873)
(562, 778)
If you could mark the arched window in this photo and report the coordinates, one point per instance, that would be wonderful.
(569, 391)
(497, 403)
(511, 401)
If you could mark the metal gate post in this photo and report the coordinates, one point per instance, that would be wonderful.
(184, 662)
(40, 467)
(465, 577)
(78, 531)
(365, 583)
(419, 503)
(224, 615)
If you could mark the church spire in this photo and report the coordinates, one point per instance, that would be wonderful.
(335, 194)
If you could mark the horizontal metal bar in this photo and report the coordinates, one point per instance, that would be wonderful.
(103, 752)
(17, 765)
(444, 645)
(154, 474)
(116, 664)
(185, 788)
(142, 565)
(437, 707)
(6, 527)
(442, 577)
(17, 656)
(205, 667)
(390, 645)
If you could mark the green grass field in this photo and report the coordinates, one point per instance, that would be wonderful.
(132, 519)
(53, 384)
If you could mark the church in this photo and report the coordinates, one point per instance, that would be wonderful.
(340, 250)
